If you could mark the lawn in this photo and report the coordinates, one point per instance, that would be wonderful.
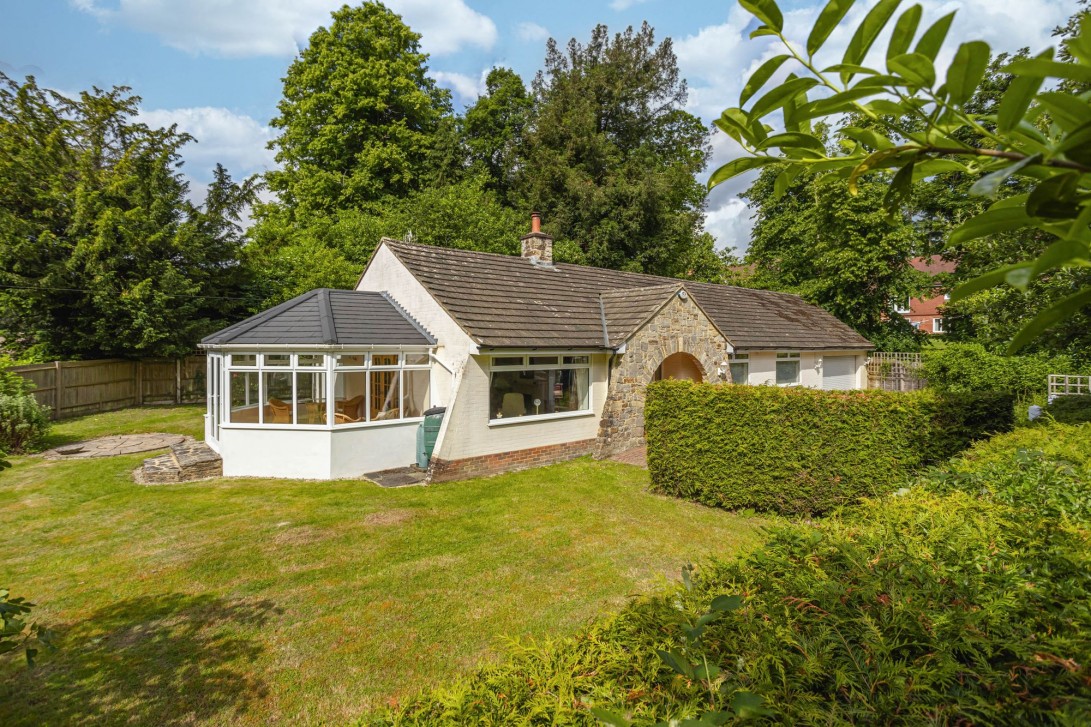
(246, 601)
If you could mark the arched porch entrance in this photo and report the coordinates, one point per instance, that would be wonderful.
(680, 366)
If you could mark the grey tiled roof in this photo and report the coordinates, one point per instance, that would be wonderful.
(325, 317)
(506, 301)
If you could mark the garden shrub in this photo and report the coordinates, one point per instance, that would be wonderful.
(799, 451)
(960, 600)
(1071, 409)
(968, 367)
(23, 422)
(12, 384)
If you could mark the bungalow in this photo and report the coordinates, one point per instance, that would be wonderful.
(533, 361)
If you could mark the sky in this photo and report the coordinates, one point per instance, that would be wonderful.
(214, 67)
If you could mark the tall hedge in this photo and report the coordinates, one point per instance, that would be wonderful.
(966, 367)
(799, 451)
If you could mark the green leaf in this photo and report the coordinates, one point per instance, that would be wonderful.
(904, 30)
(779, 96)
(990, 183)
(761, 32)
(1057, 312)
(760, 77)
(1055, 198)
(1016, 100)
(835, 104)
(1041, 68)
(747, 705)
(867, 32)
(868, 137)
(850, 67)
(610, 719)
(886, 107)
(932, 40)
(784, 180)
(735, 167)
(1077, 145)
(793, 140)
(706, 673)
(1079, 45)
(828, 19)
(990, 279)
(966, 70)
(676, 662)
(1068, 112)
(876, 160)
(899, 191)
(766, 11)
(915, 68)
(993, 220)
(727, 603)
(1059, 253)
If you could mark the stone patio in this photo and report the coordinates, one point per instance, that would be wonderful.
(114, 445)
(400, 477)
(637, 456)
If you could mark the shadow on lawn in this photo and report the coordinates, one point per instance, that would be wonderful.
(167, 659)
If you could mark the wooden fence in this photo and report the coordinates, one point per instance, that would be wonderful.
(895, 371)
(1068, 385)
(75, 388)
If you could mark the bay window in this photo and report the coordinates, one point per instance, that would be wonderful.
(539, 384)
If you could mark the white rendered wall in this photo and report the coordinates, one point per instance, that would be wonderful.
(268, 452)
(385, 273)
(469, 434)
(763, 368)
(355, 452)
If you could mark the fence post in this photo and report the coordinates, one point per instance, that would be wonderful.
(139, 383)
(58, 389)
(177, 381)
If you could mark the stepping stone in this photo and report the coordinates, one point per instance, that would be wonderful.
(186, 461)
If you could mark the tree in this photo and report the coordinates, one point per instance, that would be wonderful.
(358, 116)
(101, 254)
(611, 155)
(918, 128)
(494, 129)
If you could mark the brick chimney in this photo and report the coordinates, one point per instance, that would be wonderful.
(536, 244)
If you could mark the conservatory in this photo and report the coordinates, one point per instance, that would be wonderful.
(330, 384)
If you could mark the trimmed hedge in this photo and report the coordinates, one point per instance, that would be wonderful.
(961, 600)
(1071, 409)
(965, 367)
(799, 451)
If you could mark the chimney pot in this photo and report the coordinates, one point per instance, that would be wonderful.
(535, 222)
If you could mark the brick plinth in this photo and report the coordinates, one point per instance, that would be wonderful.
(491, 464)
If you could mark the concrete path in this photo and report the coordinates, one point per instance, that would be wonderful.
(114, 445)
(636, 456)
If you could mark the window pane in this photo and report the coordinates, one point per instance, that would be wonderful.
(787, 372)
(787, 355)
(740, 357)
(543, 360)
(415, 398)
(311, 359)
(244, 359)
(384, 359)
(384, 395)
(310, 391)
(244, 397)
(278, 397)
(507, 360)
(349, 405)
(277, 359)
(527, 393)
(740, 373)
(577, 359)
(569, 390)
(416, 359)
(352, 359)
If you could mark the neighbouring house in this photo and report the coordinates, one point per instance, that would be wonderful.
(926, 314)
(535, 362)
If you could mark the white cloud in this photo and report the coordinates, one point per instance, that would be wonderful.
(620, 5)
(730, 224)
(465, 87)
(235, 140)
(239, 28)
(531, 32)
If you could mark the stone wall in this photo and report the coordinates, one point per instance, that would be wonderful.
(681, 326)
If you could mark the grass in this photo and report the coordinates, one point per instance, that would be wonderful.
(245, 601)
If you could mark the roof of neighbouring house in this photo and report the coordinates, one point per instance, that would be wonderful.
(508, 301)
(325, 317)
(934, 264)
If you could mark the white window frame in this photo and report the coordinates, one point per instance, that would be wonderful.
(527, 366)
(908, 306)
(937, 325)
(789, 356)
(739, 359)
(330, 368)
